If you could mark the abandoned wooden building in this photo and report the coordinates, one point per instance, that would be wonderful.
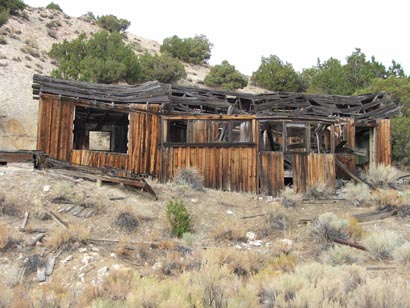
(238, 142)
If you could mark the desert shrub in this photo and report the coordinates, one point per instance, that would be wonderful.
(103, 58)
(52, 33)
(354, 230)
(283, 263)
(319, 192)
(328, 227)
(402, 254)
(4, 237)
(290, 197)
(3, 41)
(381, 175)
(53, 24)
(358, 194)
(339, 255)
(400, 130)
(190, 177)
(9, 7)
(195, 50)
(178, 217)
(161, 67)
(112, 24)
(127, 221)
(54, 6)
(230, 231)
(188, 238)
(68, 238)
(226, 76)
(382, 245)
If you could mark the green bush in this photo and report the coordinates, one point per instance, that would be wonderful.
(112, 24)
(178, 217)
(275, 75)
(54, 6)
(104, 58)
(400, 130)
(9, 7)
(226, 76)
(194, 50)
(161, 67)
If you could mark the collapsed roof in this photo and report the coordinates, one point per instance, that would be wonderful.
(176, 99)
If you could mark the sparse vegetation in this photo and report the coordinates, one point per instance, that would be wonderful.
(382, 245)
(161, 67)
(319, 192)
(9, 7)
(328, 227)
(4, 236)
(194, 50)
(226, 76)
(102, 58)
(339, 255)
(230, 231)
(358, 194)
(3, 41)
(178, 217)
(190, 177)
(401, 254)
(290, 197)
(68, 238)
(381, 175)
(112, 24)
(127, 221)
(54, 6)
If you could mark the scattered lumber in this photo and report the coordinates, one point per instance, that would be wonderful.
(252, 216)
(350, 244)
(383, 213)
(58, 220)
(33, 230)
(16, 156)
(107, 174)
(352, 175)
(34, 241)
(23, 225)
(50, 265)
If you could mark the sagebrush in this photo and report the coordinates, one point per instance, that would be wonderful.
(178, 217)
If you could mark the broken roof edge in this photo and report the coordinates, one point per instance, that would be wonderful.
(185, 99)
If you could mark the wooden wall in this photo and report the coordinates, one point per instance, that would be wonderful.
(271, 173)
(55, 125)
(224, 168)
(99, 159)
(383, 142)
(349, 134)
(311, 170)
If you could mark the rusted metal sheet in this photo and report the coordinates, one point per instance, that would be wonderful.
(271, 175)
(383, 142)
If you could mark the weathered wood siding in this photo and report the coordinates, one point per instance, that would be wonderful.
(99, 159)
(312, 170)
(143, 142)
(55, 126)
(271, 174)
(348, 131)
(225, 168)
(383, 142)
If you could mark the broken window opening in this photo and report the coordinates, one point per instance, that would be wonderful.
(100, 130)
(209, 131)
(297, 137)
(271, 136)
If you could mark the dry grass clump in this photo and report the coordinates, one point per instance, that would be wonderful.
(381, 245)
(319, 192)
(190, 177)
(402, 254)
(389, 197)
(283, 263)
(358, 194)
(381, 175)
(290, 197)
(339, 255)
(68, 238)
(31, 48)
(230, 231)
(113, 291)
(127, 221)
(354, 230)
(328, 227)
(4, 237)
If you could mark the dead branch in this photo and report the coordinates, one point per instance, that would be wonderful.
(58, 220)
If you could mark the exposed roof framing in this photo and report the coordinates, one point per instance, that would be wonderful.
(176, 99)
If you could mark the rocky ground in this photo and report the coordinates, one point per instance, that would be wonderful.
(99, 238)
